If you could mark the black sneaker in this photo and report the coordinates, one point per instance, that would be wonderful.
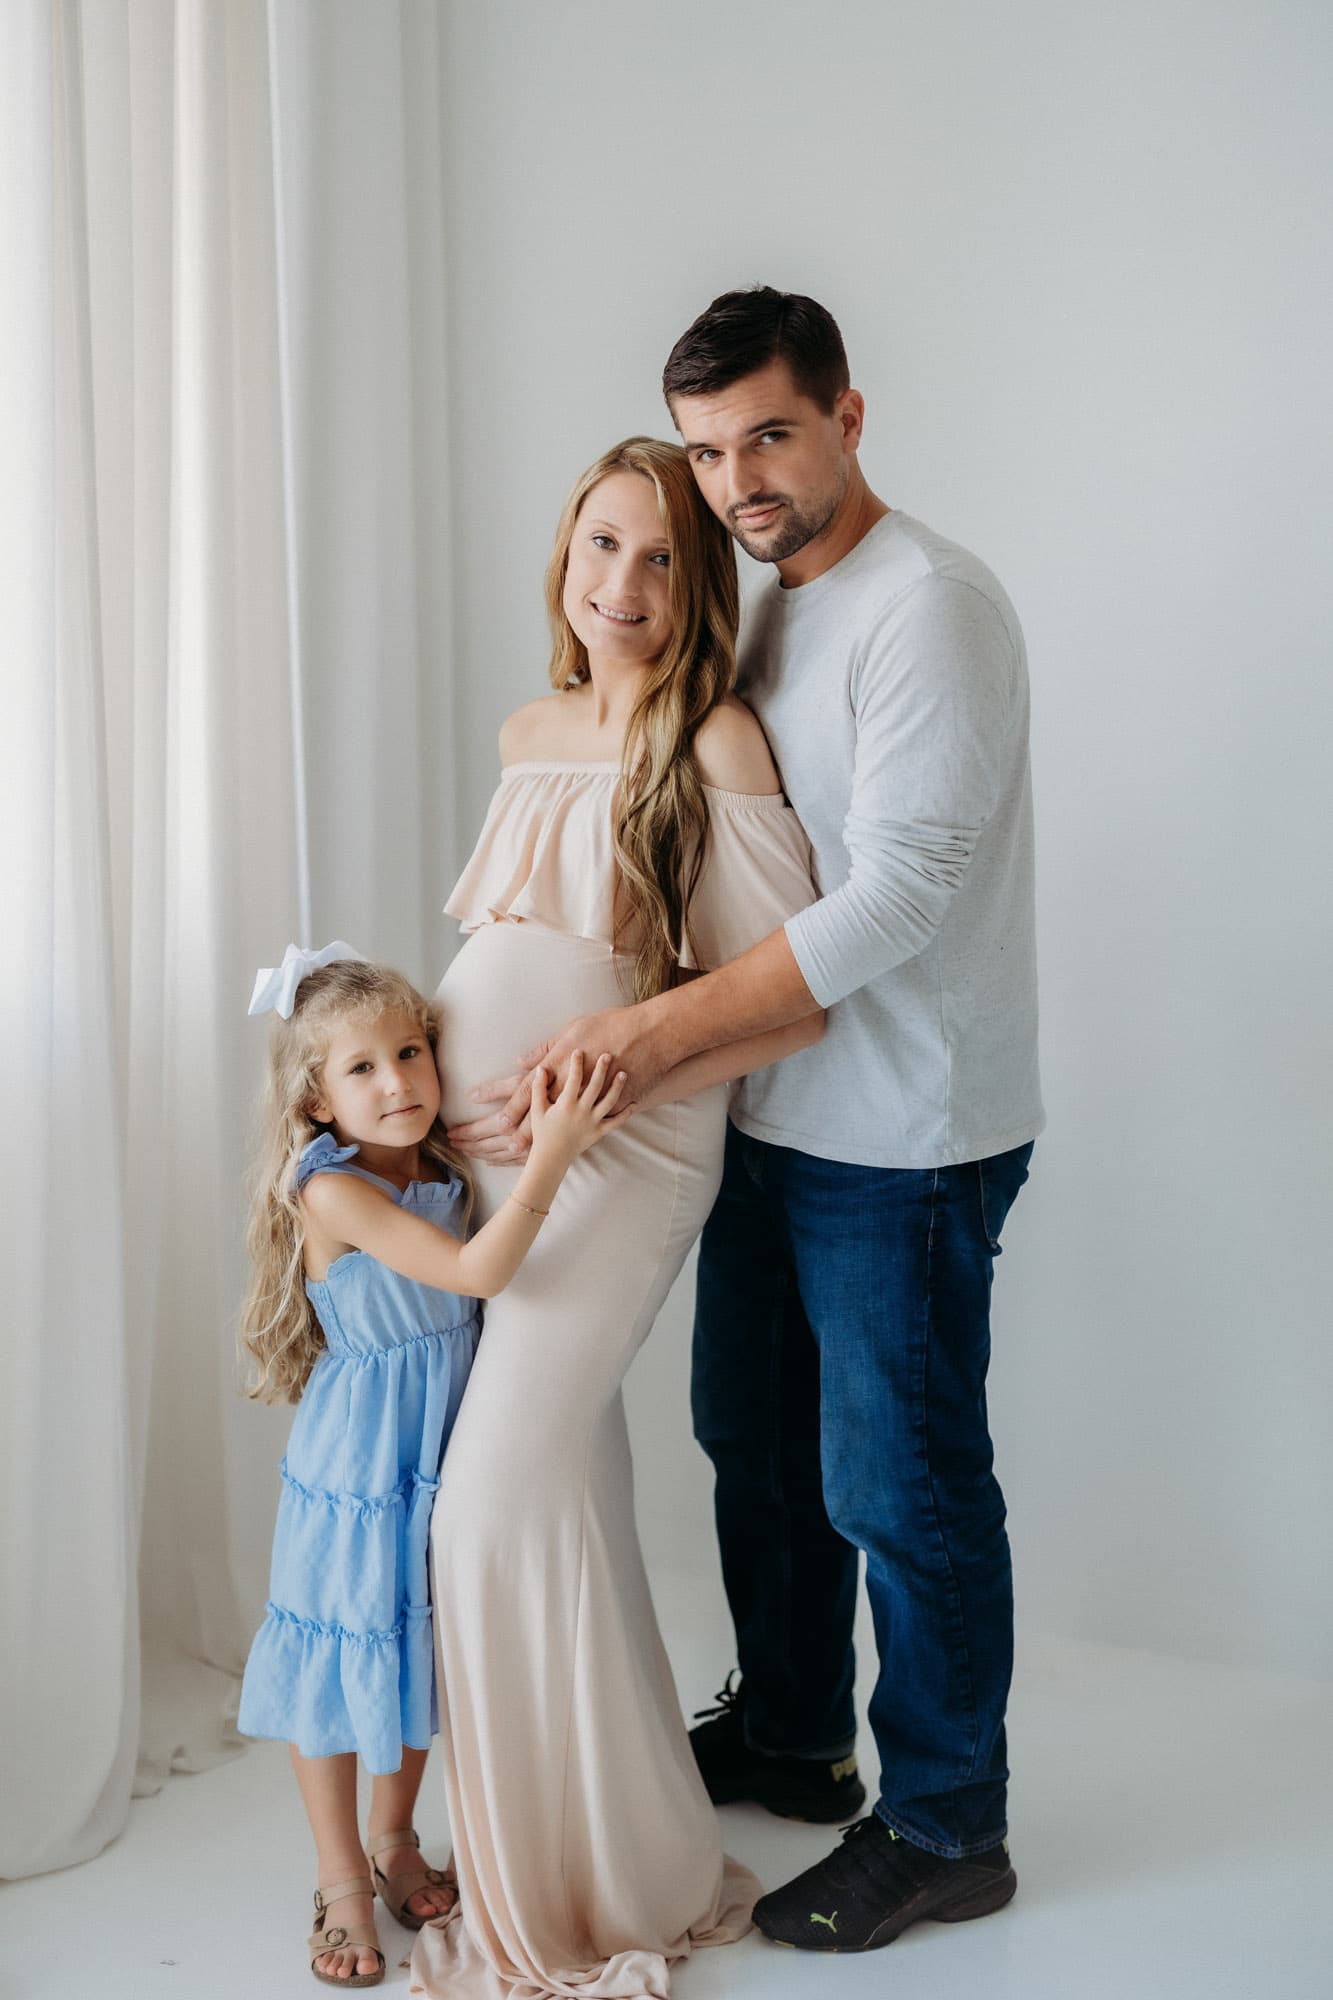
(872, 1887)
(792, 1787)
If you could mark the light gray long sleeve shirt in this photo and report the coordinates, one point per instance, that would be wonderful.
(893, 691)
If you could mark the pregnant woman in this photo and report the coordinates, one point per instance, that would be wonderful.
(638, 829)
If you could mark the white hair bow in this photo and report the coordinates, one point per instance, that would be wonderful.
(275, 985)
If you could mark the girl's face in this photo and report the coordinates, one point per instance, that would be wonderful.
(379, 1085)
(616, 595)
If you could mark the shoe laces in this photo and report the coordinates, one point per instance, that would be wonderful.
(727, 1699)
(873, 1852)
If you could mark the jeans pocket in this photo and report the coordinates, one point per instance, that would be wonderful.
(998, 1180)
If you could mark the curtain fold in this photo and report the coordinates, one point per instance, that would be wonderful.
(210, 519)
(70, 1558)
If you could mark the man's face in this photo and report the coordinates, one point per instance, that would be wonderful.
(770, 463)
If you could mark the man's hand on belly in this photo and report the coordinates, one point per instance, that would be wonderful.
(630, 1036)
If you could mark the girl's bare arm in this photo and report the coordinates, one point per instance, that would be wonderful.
(352, 1213)
(359, 1217)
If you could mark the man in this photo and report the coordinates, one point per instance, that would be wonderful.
(842, 1318)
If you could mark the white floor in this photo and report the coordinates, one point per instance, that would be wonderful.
(1171, 1829)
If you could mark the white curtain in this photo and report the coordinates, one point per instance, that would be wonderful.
(224, 620)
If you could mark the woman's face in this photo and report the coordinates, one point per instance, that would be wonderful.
(616, 595)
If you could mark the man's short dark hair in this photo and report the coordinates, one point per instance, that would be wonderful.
(743, 331)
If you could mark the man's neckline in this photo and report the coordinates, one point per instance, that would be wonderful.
(791, 593)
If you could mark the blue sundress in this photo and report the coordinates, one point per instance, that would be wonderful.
(345, 1658)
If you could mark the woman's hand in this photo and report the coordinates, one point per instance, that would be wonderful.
(569, 1124)
(502, 1137)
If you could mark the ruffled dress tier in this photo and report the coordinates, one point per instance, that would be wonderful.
(588, 1853)
(345, 1657)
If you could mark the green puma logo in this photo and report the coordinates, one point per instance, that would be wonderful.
(830, 1922)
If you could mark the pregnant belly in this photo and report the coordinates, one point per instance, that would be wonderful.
(514, 985)
(511, 986)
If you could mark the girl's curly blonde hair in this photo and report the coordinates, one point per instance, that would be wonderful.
(280, 1337)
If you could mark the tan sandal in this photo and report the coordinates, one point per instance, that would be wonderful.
(337, 1936)
(395, 1891)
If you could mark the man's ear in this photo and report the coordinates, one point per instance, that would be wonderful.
(851, 414)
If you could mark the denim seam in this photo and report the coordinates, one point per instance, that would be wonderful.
(960, 1629)
(776, 1487)
(898, 1825)
(776, 1483)
(992, 1240)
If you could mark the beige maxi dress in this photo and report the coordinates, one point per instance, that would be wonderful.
(588, 1853)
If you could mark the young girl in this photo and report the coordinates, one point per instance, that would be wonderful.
(364, 1309)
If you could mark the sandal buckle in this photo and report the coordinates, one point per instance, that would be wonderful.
(336, 1936)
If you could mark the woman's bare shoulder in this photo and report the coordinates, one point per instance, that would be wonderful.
(732, 751)
(538, 729)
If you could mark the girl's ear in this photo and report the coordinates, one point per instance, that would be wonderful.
(317, 1111)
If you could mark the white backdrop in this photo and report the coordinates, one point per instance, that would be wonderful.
(1080, 260)
(323, 305)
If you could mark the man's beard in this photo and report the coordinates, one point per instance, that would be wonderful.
(795, 527)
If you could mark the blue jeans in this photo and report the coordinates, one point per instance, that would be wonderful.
(841, 1339)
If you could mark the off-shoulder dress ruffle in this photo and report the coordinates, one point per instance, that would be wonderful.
(345, 1658)
(545, 855)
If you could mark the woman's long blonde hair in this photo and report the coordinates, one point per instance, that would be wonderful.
(280, 1337)
(660, 820)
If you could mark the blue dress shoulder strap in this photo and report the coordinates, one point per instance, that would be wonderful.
(324, 1155)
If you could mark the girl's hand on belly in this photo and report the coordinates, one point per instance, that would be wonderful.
(567, 1125)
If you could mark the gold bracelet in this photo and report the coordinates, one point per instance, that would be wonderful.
(543, 1212)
